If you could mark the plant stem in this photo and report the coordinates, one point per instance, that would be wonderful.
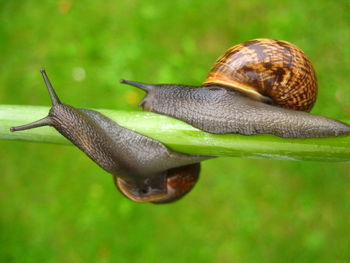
(182, 137)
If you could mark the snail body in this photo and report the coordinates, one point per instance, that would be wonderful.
(261, 86)
(144, 170)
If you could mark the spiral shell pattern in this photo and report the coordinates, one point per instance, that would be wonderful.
(268, 69)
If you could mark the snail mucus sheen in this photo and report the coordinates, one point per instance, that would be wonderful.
(261, 86)
(143, 169)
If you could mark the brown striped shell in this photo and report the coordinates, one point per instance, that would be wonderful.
(268, 69)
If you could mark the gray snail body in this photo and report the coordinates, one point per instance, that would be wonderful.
(144, 169)
(219, 110)
(261, 86)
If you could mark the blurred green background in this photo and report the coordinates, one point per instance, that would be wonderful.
(58, 206)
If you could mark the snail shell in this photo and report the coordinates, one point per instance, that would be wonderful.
(179, 182)
(268, 70)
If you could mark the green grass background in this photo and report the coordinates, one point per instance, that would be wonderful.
(58, 206)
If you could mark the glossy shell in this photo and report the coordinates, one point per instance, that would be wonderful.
(179, 182)
(268, 70)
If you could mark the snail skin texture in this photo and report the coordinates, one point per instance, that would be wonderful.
(144, 169)
(262, 86)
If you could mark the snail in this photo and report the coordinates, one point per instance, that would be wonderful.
(143, 169)
(261, 86)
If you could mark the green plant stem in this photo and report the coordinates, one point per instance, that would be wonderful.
(182, 137)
